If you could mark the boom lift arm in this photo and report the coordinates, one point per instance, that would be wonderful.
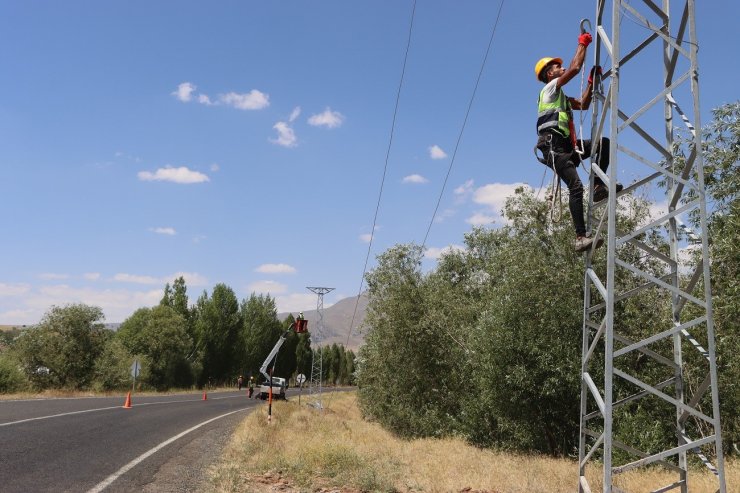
(273, 353)
(298, 326)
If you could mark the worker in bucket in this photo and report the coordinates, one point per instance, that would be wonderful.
(556, 136)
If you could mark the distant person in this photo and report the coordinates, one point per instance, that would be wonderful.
(240, 382)
(251, 386)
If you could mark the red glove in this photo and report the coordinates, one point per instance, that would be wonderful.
(585, 39)
(596, 69)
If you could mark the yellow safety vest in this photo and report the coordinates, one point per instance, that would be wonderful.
(554, 116)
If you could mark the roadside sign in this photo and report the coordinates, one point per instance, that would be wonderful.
(135, 368)
(300, 378)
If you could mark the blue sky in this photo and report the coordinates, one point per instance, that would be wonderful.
(243, 142)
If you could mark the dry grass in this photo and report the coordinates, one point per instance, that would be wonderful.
(63, 394)
(302, 450)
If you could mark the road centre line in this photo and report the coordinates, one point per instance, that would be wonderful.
(56, 415)
(110, 479)
(105, 409)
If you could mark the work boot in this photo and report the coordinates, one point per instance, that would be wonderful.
(601, 192)
(584, 243)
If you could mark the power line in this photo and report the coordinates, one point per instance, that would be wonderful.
(465, 121)
(385, 169)
(457, 145)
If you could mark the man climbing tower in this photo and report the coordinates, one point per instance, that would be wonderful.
(557, 138)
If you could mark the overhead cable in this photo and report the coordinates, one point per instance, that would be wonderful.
(465, 121)
(385, 169)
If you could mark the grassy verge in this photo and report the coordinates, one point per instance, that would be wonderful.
(302, 450)
(61, 393)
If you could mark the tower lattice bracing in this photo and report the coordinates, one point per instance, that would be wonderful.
(640, 383)
(317, 336)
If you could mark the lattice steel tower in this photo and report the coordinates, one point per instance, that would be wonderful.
(637, 379)
(317, 367)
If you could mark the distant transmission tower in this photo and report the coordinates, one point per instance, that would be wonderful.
(669, 369)
(317, 367)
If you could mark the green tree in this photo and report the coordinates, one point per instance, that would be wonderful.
(260, 331)
(349, 368)
(303, 354)
(12, 378)
(405, 351)
(167, 296)
(218, 325)
(159, 335)
(721, 153)
(113, 366)
(65, 343)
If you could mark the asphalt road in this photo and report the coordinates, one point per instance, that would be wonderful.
(94, 444)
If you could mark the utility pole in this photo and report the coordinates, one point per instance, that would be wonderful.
(317, 367)
(649, 53)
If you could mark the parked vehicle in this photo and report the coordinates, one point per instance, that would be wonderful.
(279, 385)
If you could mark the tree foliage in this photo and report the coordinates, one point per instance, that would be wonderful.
(260, 331)
(159, 336)
(218, 325)
(61, 350)
(488, 344)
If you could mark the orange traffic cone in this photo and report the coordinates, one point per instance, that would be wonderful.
(205, 397)
(127, 404)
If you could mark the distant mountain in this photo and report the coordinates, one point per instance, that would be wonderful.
(337, 319)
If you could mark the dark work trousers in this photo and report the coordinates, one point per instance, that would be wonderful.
(566, 166)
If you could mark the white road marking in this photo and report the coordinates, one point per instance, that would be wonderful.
(110, 479)
(107, 408)
(56, 415)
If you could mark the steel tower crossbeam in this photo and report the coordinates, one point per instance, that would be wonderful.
(317, 366)
(663, 376)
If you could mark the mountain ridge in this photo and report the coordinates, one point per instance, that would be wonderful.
(337, 319)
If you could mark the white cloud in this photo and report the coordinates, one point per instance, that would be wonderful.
(204, 99)
(436, 152)
(367, 237)
(19, 317)
(270, 287)
(276, 269)
(51, 276)
(164, 231)
(117, 304)
(191, 278)
(215, 167)
(493, 196)
(253, 100)
(328, 118)
(286, 135)
(181, 175)
(295, 114)
(465, 189)
(414, 179)
(445, 214)
(132, 278)
(91, 276)
(435, 253)
(184, 92)
(13, 289)
(480, 219)
(296, 302)
(199, 238)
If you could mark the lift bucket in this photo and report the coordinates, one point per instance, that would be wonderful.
(301, 326)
